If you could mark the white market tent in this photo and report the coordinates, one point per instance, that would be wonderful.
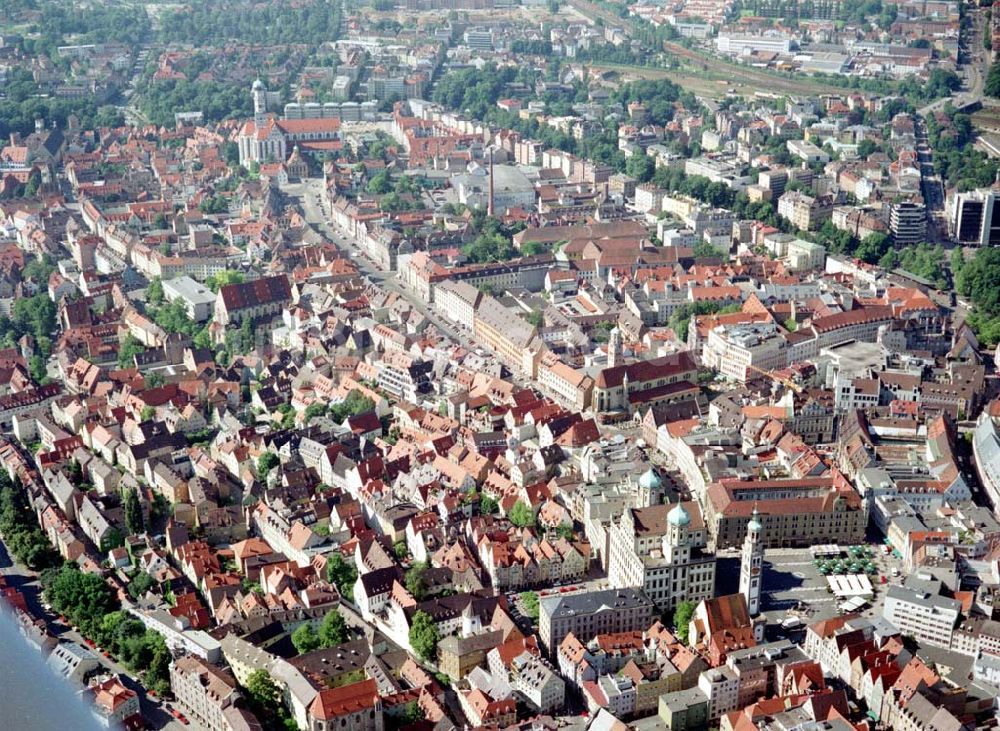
(853, 604)
(847, 586)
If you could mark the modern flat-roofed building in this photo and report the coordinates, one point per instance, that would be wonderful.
(742, 351)
(920, 611)
(986, 450)
(807, 151)
(908, 223)
(197, 299)
(975, 217)
(738, 44)
(805, 212)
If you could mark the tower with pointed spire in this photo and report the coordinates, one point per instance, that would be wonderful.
(752, 563)
(614, 348)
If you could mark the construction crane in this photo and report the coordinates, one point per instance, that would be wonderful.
(786, 382)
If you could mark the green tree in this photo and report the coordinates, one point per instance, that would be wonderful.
(174, 319)
(231, 153)
(37, 369)
(148, 413)
(416, 580)
(133, 511)
(140, 584)
(112, 539)
(75, 472)
(127, 351)
(925, 261)
(413, 713)
(992, 87)
(530, 601)
(154, 292)
(703, 249)
(640, 166)
(229, 276)
(305, 639)
(873, 247)
(380, 184)
(39, 269)
(264, 696)
(261, 688)
(956, 261)
(317, 408)
(157, 675)
(424, 635)
(333, 630)
(33, 184)
(203, 339)
(399, 548)
(487, 505)
(154, 379)
(35, 316)
(682, 616)
(979, 281)
(866, 147)
(342, 574)
(18, 525)
(522, 516)
(265, 463)
(81, 597)
(355, 403)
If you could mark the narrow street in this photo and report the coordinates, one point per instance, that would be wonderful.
(931, 186)
(316, 217)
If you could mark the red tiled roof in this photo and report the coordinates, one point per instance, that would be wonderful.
(259, 291)
(334, 702)
(646, 370)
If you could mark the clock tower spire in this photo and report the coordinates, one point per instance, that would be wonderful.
(752, 564)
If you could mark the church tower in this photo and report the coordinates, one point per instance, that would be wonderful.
(259, 94)
(614, 348)
(752, 564)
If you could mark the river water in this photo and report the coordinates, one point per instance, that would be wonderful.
(32, 697)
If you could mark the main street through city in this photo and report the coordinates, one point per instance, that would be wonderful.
(311, 198)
